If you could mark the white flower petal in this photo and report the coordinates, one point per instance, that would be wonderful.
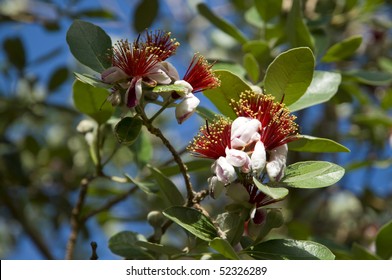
(170, 70)
(224, 171)
(244, 131)
(215, 186)
(236, 158)
(277, 163)
(113, 75)
(258, 158)
(186, 108)
(188, 87)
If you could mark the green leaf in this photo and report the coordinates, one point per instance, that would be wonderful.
(146, 186)
(384, 241)
(307, 143)
(231, 87)
(193, 221)
(312, 174)
(323, 87)
(145, 14)
(361, 253)
(260, 50)
(251, 66)
(89, 44)
(221, 23)
(169, 88)
(194, 165)
(224, 248)
(268, 9)
(96, 13)
(373, 78)
(290, 74)
(92, 101)
(288, 249)
(125, 244)
(15, 51)
(273, 192)
(58, 78)
(296, 29)
(232, 224)
(159, 248)
(273, 220)
(91, 80)
(343, 49)
(205, 113)
(128, 129)
(142, 149)
(167, 187)
(234, 68)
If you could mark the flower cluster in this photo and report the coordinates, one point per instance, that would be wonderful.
(142, 63)
(253, 144)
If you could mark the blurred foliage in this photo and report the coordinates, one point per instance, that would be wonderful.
(43, 158)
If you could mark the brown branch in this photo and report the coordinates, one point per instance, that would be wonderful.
(183, 169)
(75, 217)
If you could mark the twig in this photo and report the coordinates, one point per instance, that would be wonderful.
(183, 169)
(109, 204)
(75, 215)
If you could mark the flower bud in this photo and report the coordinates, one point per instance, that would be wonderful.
(85, 126)
(258, 158)
(155, 219)
(215, 186)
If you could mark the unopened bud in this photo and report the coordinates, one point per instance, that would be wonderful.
(155, 219)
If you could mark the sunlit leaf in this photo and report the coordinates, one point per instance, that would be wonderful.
(343, 49)
(92, 101)
(290, 74)
(89, 44)
(231, 87)
(194, 165)
(312, 174)
(169, 88)
(384, 241)
(91, 80)
(145, 14)
(274, 192)
(307, 143)
(323, 87)
(224, 248)
(232, 224)
(260, 50)
(288, 249)
(193, 221)
(168, 189)
(148, 187)
(221, 23)
(127, 130)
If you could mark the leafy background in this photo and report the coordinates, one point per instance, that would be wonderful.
(43, 158)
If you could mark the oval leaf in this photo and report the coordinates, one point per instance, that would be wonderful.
(384, 241)
(296, 29)
(89, 44)
(312, 174)
(343, 49)
(125, 244)
(128, 129)
(15, 51)
(288, 249)
(193, 221)
(222, 24)
(57, 78)
(290, 74)
(323, 87)
(252, 67)
(145, 14)
(91, 80)
(224, 248)
(168, 189)
(268, 9)
(231, 87)
(307, 143)
(92, 101)
(275, 193)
